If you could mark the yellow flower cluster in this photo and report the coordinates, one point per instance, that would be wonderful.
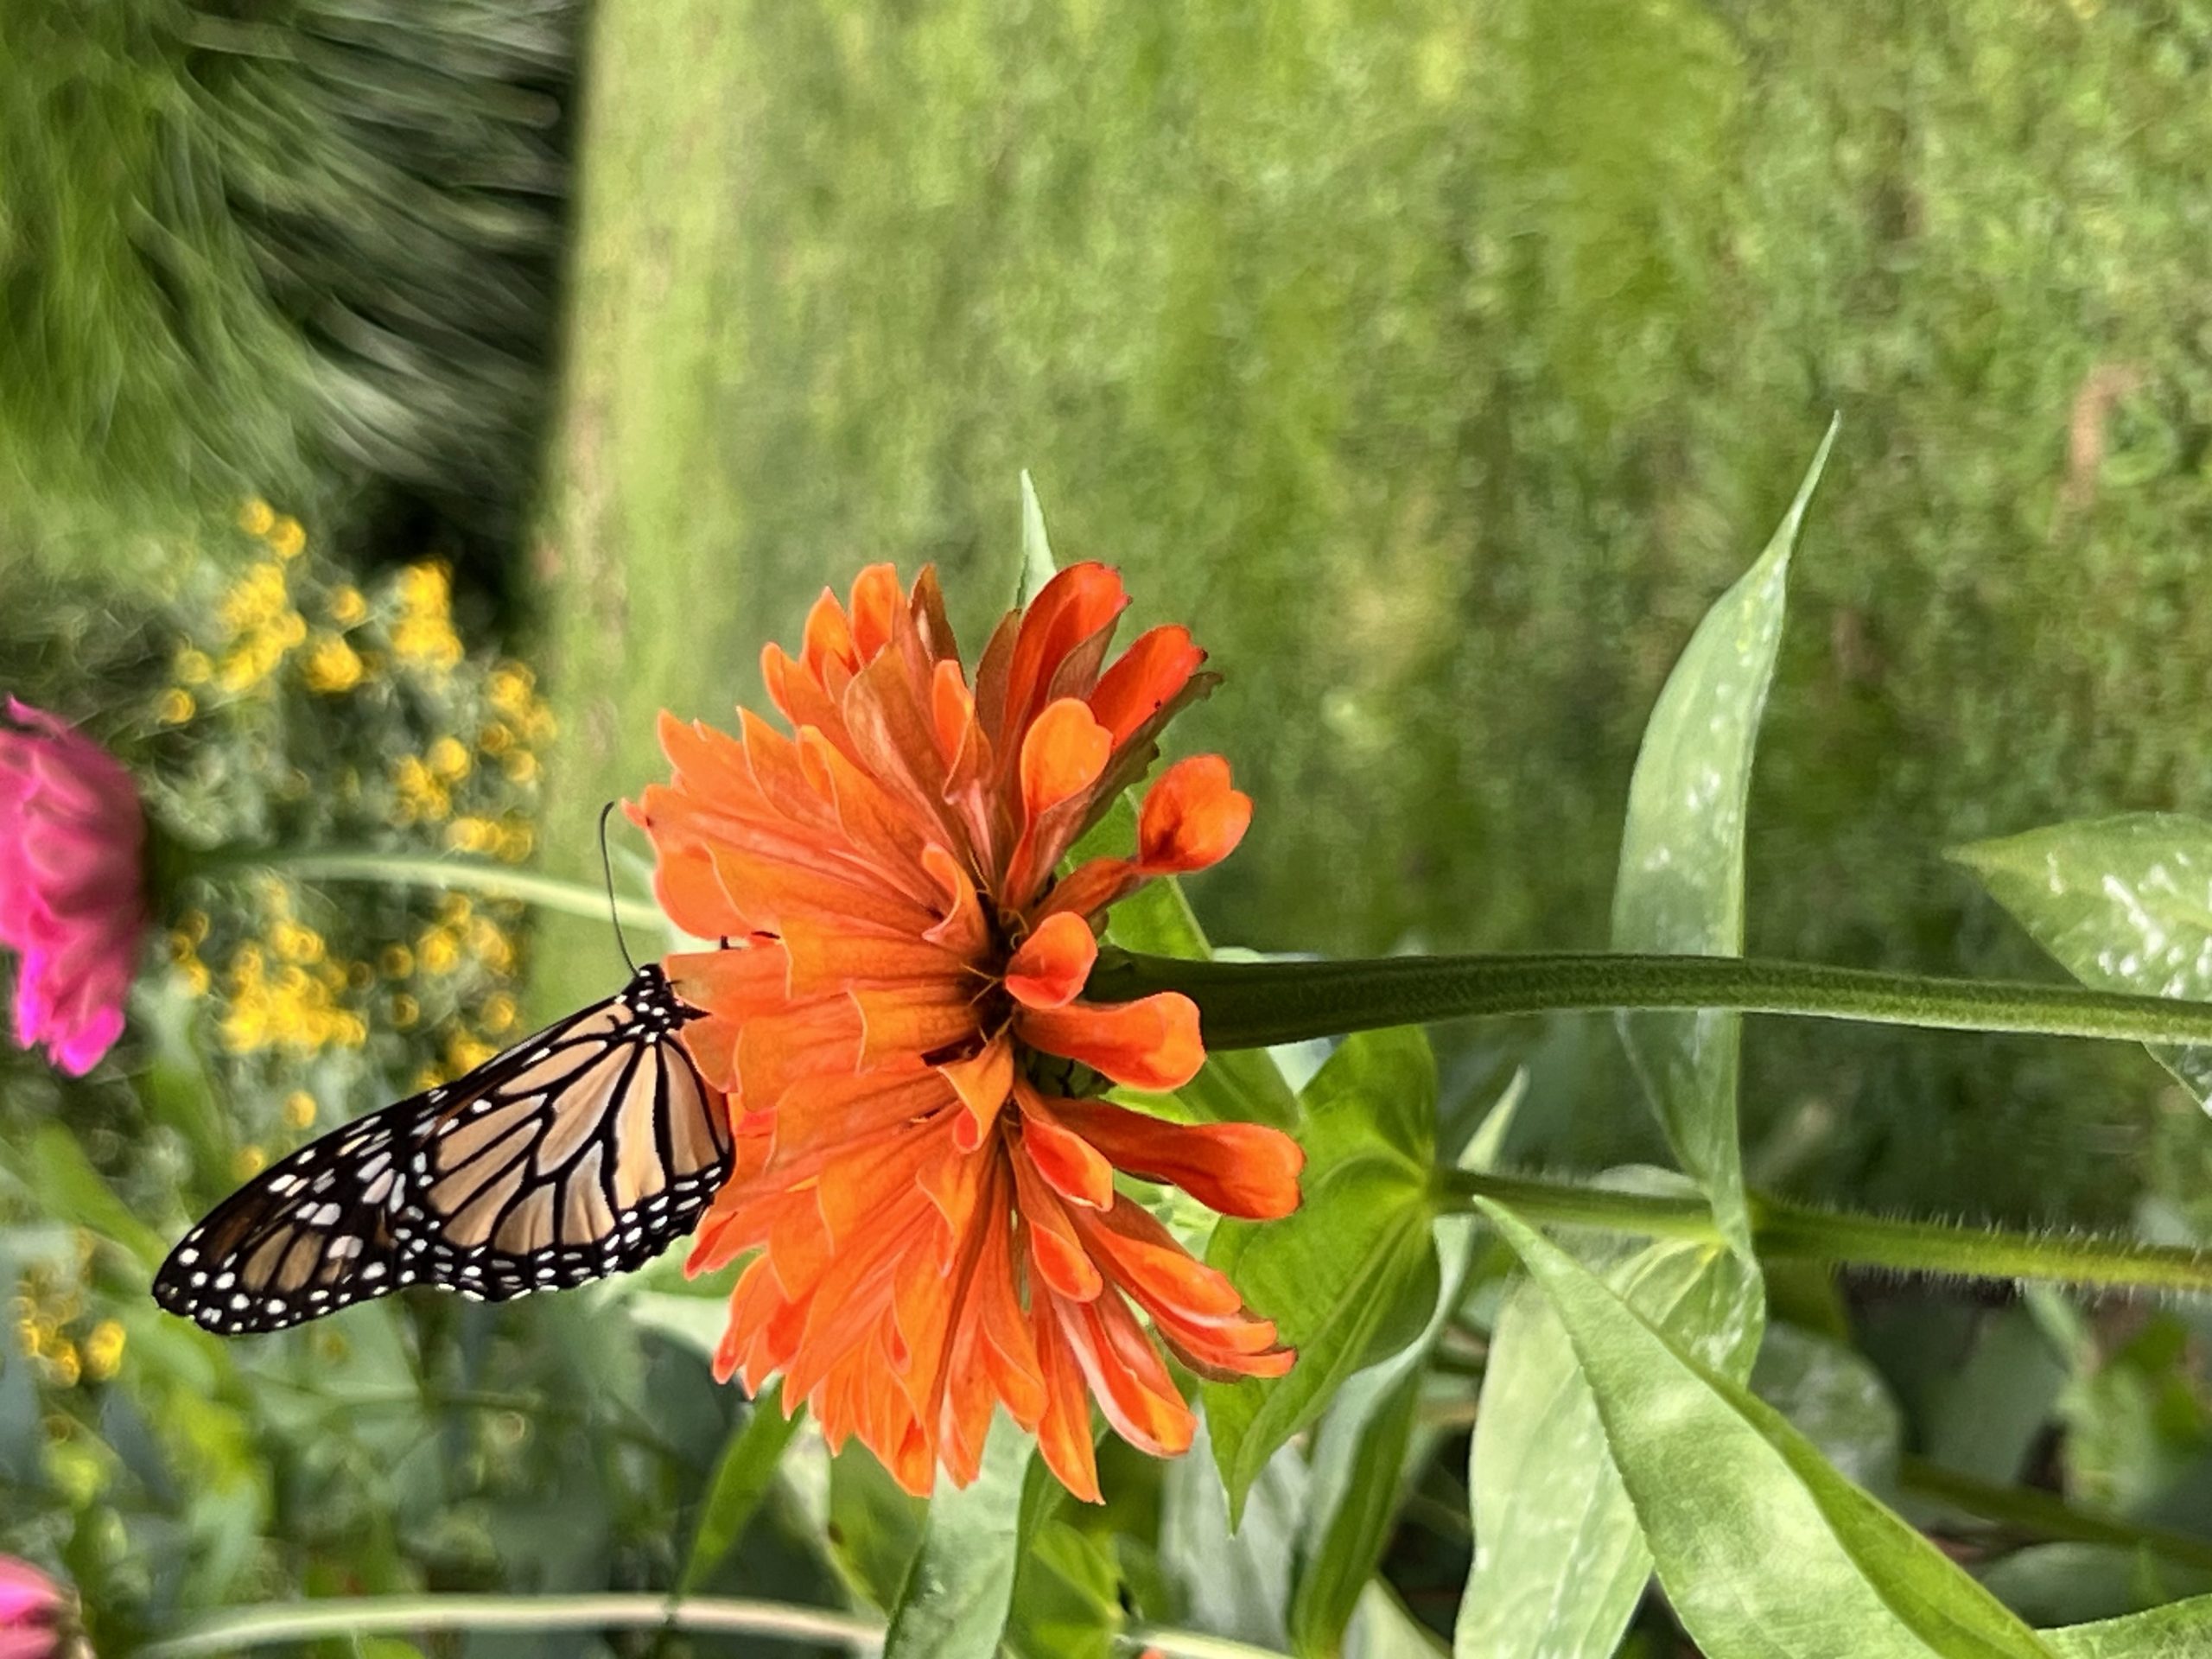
(424, 632)
(285, 993)
(44, 1309)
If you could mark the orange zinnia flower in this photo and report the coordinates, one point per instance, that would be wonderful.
(935, 1219)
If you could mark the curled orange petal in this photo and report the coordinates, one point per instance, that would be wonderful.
(1054, 961)
(1190, 819)
(1152, 1043)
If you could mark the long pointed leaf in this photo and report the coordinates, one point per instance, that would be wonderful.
(1681, 885)
(1765, 1551)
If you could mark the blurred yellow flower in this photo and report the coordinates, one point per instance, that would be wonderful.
(347, 606)
(448, 759)
(299, 1109)
(471, 835)
(193, 666)
(438, 951)
(250, 1162)
(287, 539)
(104, 1350)
(396, 962)
(498, 1013)
(495, 739)
(465, 1053)
(256, 600)
(421, 795)
(521, 768)
(333, 666)
(256, 516)
(509, 688)
(406, 1010)
(423, 632)
(296, 944)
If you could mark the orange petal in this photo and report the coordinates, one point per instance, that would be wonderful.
(1064, 1432)
(983, 1080)
(692, 897)
(827, 955)
(1050, 968)
(1126, 1377)
(1145, 680)
(1061, 1260)
(919, 1018)
(876, 603)
(1062, 755)
(1074, 606)
(1190, 819)
(953, 710)
(1152, 1043)
(828, 635)
(1238, 1169)
(1140, 1255)
(1069, 1163)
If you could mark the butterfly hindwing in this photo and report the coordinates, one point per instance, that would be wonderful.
(579, 1152)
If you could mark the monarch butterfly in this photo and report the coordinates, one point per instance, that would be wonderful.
(579, 1152)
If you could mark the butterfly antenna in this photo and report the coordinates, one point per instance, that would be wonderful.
(614, 910)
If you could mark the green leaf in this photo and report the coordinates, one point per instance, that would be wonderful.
(1764, 1550)
(55, 1166)
(1038, 565)
(742, 1479)
(875, 1527)
(2181, 1630)
(2124, 903)
(1681, 886)
(1066, 1600)
(1336, 1275)
(1358, 1465)
(954, 1603)
(1561, 1562)
(1233, 1576)
(1834, 1397)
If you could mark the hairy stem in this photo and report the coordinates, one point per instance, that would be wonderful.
(1783, 1230)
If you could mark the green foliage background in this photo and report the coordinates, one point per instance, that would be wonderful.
(1439, 365)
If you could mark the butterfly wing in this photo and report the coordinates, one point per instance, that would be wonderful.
(310, 1235)
(579, 1152)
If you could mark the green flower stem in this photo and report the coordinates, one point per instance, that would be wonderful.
(2044, 1515)
(341, 1616)
(297, 1621)
(1781, 1228)
(430, 870)
(1253, 1004)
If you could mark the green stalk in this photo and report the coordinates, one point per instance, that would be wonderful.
(430, 870)
(1782, 1229)
(2025, 1511)
(1254, 1004)
(290, 1622)
(340, 1616)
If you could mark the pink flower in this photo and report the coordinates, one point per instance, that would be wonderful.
(72, 900)
(30, 1604)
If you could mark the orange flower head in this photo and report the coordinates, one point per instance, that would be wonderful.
(929, 1204)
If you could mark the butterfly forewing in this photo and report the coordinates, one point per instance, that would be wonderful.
(579, 1152)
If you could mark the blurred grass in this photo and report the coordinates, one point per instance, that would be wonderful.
(266, 245)
(1439, 365)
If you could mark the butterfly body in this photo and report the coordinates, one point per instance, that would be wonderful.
(583, 1151)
